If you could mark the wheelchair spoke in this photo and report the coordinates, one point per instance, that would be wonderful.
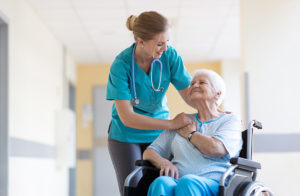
(263, 191)
(258, 190)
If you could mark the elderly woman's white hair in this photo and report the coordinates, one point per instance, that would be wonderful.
(216, 81)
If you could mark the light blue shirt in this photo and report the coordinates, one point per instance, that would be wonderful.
(186, 156)
(152, 104)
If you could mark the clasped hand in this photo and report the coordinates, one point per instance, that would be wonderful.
(185, 131)
(180, 121)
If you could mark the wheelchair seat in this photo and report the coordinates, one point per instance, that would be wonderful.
(238, 180)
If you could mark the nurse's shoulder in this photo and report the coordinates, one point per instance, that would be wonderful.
(171, 52)
(122, 62)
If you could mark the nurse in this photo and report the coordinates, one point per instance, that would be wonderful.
(140, 110)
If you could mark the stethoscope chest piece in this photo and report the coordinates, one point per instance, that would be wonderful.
(135, 101)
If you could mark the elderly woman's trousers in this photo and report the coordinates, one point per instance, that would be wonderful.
(188, 185)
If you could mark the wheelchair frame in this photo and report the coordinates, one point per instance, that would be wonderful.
(240, 183)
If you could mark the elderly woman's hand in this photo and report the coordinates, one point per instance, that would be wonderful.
(168, 169)
(185, 131)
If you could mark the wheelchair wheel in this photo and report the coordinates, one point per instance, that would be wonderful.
(256, 189)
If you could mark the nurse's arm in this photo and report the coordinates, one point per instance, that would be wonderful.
(185, 95)
(134, 120)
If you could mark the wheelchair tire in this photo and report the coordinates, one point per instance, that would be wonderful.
(250, 189)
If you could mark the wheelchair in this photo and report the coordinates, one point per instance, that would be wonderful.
(238, 180)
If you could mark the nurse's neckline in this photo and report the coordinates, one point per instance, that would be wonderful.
(141, 62)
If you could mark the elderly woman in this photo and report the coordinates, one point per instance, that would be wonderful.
(192, 159)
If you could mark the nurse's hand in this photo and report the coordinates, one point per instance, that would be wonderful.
(168, 169)
(181, 120)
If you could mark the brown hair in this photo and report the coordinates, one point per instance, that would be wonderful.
(147, 25)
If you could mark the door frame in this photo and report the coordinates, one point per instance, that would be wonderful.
(3, 106)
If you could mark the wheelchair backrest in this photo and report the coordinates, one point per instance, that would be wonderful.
(245, 149)
(247, 137)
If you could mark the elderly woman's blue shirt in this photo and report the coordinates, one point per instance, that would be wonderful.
(186, 156)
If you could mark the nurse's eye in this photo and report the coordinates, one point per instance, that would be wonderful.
(160, 44)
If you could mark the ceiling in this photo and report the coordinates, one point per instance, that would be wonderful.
(94, 31)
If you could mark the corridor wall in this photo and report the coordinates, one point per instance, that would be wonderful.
(270, 55)
(36, 93)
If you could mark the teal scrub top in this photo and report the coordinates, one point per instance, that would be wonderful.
(152, 104)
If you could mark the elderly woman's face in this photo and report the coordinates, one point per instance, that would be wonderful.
(201, 88)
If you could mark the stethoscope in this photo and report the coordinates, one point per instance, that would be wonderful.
(135, 100)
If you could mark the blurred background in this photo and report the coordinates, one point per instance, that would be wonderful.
(55, 57)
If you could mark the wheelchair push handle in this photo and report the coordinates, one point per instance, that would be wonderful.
(257, 124)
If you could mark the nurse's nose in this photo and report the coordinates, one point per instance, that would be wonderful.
(165, 47)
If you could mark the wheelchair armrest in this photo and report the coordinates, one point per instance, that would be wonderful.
(239, 163)
(147, 165)
(245, 163)
(144, 163)
(131, 175)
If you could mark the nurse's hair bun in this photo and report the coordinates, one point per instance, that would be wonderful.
(130, 22)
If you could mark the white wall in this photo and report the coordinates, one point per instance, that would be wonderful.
(35, 94)
(231, 73)
(70, 69)
(270, 53)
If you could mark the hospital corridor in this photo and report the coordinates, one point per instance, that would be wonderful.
(87, 85)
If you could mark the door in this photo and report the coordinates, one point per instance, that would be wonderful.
(105, 182)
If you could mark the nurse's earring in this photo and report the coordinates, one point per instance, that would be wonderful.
(142, 46)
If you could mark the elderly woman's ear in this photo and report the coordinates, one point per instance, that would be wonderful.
(219, 109)
(218, 95)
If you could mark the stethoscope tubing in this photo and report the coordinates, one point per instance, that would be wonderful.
(135, 100)
(132, 73)
(158, 88)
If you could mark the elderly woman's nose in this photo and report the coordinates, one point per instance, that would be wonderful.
(195, 84)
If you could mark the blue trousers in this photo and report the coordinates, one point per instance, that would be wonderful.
(188, 185)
